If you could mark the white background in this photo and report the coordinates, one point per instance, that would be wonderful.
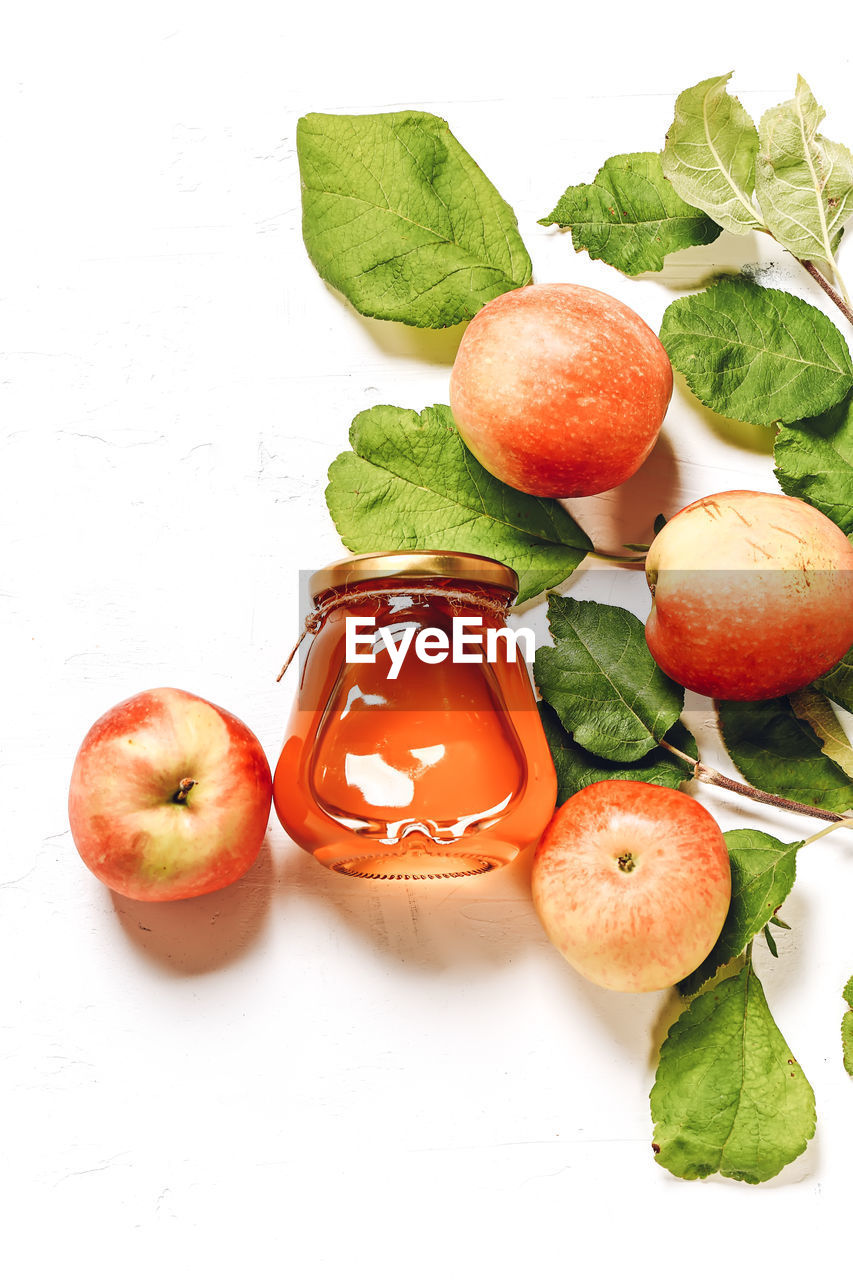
(304, 1074)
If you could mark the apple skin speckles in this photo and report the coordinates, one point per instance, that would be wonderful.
(560, 390)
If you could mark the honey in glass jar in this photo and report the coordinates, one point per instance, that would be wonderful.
(422, 767)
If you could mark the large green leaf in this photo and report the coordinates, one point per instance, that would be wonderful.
(815, 710)
(778, 752)
(577, 768)
(847, 1029)
(838, 683)
(804, 182)
(397, 215)
(709, 156)
(411, 484)
(729, 1096)
(602, 681)
(763, 872)
(757, 355)
(814, 461)
(630, 216)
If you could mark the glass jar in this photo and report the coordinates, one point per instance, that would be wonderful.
(442, 770)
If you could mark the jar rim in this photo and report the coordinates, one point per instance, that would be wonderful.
(413, 564)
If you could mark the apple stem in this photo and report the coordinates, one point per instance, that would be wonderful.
(185, 786)
(703, 773)
(842, 304)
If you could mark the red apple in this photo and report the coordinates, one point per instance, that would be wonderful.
(752, 595)
(560, 390)
(632, 883)
(170, 797)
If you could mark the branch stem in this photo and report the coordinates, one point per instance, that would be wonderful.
(704, 773)
(825, 831)
(842, 302)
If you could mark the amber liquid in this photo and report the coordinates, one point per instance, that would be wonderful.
(438, 773)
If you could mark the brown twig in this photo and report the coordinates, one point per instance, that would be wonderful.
(828, 289)
(704, 773)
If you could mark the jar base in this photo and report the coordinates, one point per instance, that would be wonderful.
(425, 861)
(390, 868)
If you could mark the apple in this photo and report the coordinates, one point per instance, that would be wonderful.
(560, 390)
(169, 797)
(632, 882)
(752, 595)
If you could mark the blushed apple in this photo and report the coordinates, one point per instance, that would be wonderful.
(632, 882)
(752, 595)
(560, 390)
(169, 797)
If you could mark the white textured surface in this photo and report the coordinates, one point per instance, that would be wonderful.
(303, 1074)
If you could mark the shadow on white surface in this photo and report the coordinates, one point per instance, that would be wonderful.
(627, 513)
(743, 435)
(404, 341)
(467, 924)
(701, 265)
(199, 935)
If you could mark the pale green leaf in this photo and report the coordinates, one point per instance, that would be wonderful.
(777, 752)
(838, 683)
(763, 872)
(803, 181)
(397, 215)
(577, 768)
(602, 681)
(814, 461)
(847, 1029)
(812, 707)
(411, 485)
(630, 216)
(757, 355)
(709, 156)
(729, 1096)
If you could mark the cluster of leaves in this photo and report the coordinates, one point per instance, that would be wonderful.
(400, 219)
(753, 354)
(729, 1096)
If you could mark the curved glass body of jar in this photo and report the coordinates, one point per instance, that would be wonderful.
(443, 771)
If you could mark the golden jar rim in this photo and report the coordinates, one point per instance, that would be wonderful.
(412, 564)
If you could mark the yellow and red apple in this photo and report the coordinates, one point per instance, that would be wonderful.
(169, 797)
(752, 595)
(632, 883)
(560, 390)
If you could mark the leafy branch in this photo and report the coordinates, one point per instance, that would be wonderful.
(612, 701)
(717, 171)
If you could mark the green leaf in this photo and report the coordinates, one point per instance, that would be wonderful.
(778, 752)
(838, 683)
(804, 182)
(397, 215)
(815, 710)
(709, 156)
(577, 768)
(602, 681)
(771, 942)
(814, 461)
(763, 872)
(729, 1096)
(847, 1029)
(630, 216)
(411, 484)
(757, 355)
